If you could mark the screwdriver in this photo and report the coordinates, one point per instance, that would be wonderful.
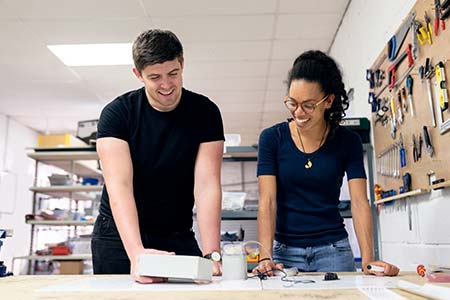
(421, 32)
(429, 28)
(409, 86)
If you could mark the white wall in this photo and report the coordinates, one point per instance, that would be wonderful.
(415, 230)
(17, 172)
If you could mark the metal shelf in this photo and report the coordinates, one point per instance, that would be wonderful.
(56, 257)
(76, 192)
(80, 161)
(240, 153)
(73, 160)
(60, 223)
(51, 154)
(239, 214)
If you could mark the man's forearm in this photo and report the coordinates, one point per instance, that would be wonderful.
(118, 173)
(209, 211)
(126, 219)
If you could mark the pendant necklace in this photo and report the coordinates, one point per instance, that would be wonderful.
(309, 163)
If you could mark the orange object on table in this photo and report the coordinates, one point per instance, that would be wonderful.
(421, 270)
(60, 250)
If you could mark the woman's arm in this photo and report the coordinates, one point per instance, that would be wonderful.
(362, 221)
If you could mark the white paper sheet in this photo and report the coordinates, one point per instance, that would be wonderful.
(125, 283)
(111, 284)
(344, 282)
(380, 293)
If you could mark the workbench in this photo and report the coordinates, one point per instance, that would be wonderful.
(25, 287)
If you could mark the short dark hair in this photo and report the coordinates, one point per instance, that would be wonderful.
(156, 46)
(316, 66)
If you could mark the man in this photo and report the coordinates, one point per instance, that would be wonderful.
(161, 147)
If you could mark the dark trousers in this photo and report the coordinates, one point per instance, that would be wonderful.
(109, 255)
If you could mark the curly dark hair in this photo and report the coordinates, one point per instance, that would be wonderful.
(318, 67)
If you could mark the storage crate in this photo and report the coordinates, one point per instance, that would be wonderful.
(59, 140)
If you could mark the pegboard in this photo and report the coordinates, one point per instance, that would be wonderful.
(438, 51)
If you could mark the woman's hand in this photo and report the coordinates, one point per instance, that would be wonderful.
(267, 267)
(387, 269)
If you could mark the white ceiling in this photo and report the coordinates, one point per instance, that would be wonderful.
(237, 52)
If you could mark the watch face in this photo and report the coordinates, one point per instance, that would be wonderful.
(215, 256)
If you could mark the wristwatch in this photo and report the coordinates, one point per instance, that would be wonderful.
(214, 256)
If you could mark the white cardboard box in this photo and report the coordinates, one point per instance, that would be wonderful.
(177, 267)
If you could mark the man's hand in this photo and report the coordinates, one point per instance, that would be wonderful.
(267, 267)
(146, 279)
(217, 268)
(388, 269)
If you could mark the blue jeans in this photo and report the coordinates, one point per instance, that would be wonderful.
(334, 257)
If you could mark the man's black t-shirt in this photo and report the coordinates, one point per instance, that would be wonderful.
(163, 148)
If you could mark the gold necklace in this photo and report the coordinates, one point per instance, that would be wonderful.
(309, 164)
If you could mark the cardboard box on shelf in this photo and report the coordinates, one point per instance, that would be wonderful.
(59, 140)
(67, 267)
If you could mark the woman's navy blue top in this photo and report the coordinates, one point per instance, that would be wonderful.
(307, 199)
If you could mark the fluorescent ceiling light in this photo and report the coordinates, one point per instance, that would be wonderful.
(94, 54)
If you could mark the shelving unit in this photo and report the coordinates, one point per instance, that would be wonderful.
(56, 257)
(79, 192)
(60, 223)
(80, 162)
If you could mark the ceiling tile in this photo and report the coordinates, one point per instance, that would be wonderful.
(275, 106)
(6, 13)
(307, 26)
(236, 97)
(270, 118)
(105, 72)
(227, 84)
(231, 69)
(236, 53)
(93, 31)
(291, 49)
(316, 6)
(28, 95)
(112, 87)
(206, 7)
(16, 34)
(30, 56)
(276, 83)
(34, 72)
(218, 28)
(60, 9)
(280, 67)
(241, 107)
(54, 124)
(276, 95)
(226, 51)
(244, 118)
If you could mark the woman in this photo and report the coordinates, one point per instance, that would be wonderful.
(301, 164)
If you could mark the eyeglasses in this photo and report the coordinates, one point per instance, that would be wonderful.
(307, 106)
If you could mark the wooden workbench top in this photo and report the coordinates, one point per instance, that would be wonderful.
(24, 288)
